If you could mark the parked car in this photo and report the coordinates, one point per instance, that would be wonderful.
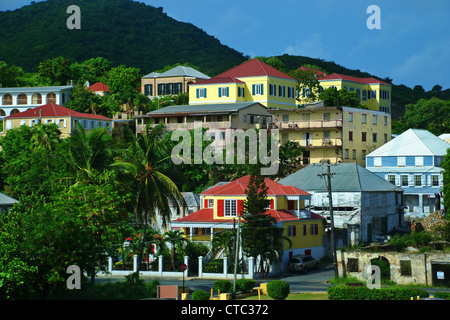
(302, 263)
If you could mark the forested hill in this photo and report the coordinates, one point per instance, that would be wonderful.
(122, 31)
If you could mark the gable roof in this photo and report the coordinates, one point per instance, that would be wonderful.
(54, 110)
(238, 187)
(178, 71)
(99, 86)
(348, 177)
(253, 68)
(220, 108)
(6, 200)
(337, 76)
(413, 142)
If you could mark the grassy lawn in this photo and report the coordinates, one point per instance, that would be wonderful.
(294, 296)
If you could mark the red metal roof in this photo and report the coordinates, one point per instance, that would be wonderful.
(337, 76)
(253, 68)
(216, 80)
(99, 86)
(54, 110)
(238, 187)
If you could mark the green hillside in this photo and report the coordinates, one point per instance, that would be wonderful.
(123, 31)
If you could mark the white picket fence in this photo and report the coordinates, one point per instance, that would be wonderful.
(226, 274)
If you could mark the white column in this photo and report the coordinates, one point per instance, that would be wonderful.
(200, 266)
(135, 257)
(225, 265)
(251, 267)
(160, 264)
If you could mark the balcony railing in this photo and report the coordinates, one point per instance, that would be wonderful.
(310, 124)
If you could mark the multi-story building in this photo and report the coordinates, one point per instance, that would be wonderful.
(340, 134)
(65, 118)
(222, 204)
(253, 80)
(411, 161)
(374, 94)
(173, 81)
(15, 100)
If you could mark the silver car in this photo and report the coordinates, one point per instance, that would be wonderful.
(303, 263)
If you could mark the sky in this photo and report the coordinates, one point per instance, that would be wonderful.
(412, 45)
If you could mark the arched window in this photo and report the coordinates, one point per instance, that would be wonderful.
(7, 100)
(36, 98)
(51, 97)
(2, 113)
(14, 111)
(22, 99)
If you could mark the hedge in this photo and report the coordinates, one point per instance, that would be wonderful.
(245, 285)
(223, 286)
(200, 295)
(278, 289)
(364, 293)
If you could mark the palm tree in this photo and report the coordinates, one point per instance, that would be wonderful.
(144, 164)
(89, 153)
(224, 240)
(176, 239)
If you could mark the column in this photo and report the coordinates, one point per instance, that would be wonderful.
(251, 267)
(225, 265)
(160, 264)
(135, 257)
(200, 266)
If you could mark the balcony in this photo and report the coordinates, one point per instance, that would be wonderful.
(311, 124)
(322, 143)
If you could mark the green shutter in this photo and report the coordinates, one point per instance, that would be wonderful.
(220, 92)
(253, 89)
(198, 93)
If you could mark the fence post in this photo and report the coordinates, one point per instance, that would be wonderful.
(186, 261)
(200, 266)
(110, 264)
(251, 267)
(160, 264)
(225, 265)
(135, 258)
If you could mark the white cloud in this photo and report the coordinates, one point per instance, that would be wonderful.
(309, 47)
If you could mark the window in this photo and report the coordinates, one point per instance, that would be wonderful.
(282, 91)
(419, 161)
(148, 89)
(272, 89)
(291, 92)
(350, 135)
(404, 180)
(401, 161)
(364, 118)
(364, 95)
(210, 203)
(241, 92)
(285, 117)
(292, 231)
(36, 98)
(230, 208)
(374, 137)
(326, 135)
(405, 268)
(51, 98)
(305, 229)
(224, 92)
(326, 117)
(257, 89)
(417, 180)
(245, 118)
(385, 138)
(385, 120)
(364, 136)
(435, 180)
(346, 153)
(201, 93)
(350, 117)
(314, 229)
(354, 154)
(391, 178)
(7, 100)
(363, 155)
(22, 99)
(377, 162)
(374, 120)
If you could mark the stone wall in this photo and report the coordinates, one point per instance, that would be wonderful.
(405, 268)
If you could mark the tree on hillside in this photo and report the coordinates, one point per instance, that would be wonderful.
(92, 70)
(55, 72)
(307, 84)
(429, 114)
(10, 75)
(340, 98)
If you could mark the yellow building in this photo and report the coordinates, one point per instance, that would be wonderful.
(374, 94)
(253, 80)
(65, 118)
(339, 134)
(221, 206)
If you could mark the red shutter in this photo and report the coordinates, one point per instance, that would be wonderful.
(206, 204)
(271, 204)
(294, 231)
(240, 207)
(220, 208)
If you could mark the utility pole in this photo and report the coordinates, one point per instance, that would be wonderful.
(333, 243)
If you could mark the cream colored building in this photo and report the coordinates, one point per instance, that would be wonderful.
(339, 134)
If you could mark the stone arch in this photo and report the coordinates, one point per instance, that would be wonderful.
(22, 99)
(51, 97)
(36, 98)
(384, 265)
(7, 100)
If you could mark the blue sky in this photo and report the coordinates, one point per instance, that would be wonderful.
(412, 47)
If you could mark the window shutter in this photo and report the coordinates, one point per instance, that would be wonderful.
(228, 92)
(220, 92)
(294, 231)
(220, 208)
(271, 204)
(262, 89)
(205, 203)
(240, 207)
(253, 89)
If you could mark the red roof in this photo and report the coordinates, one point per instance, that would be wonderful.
(207, 215)
(253, 68)
(219, 80)
(54, 110)
(99, 86)
(238, 187)
(336, 76)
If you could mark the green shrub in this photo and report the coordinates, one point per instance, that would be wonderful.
(223, 286)
(245, 285)
(278, 289)
(364, 293)
(442, 295)
(214, 266)
(200, 295)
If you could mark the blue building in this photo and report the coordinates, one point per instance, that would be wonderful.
(412, 161)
